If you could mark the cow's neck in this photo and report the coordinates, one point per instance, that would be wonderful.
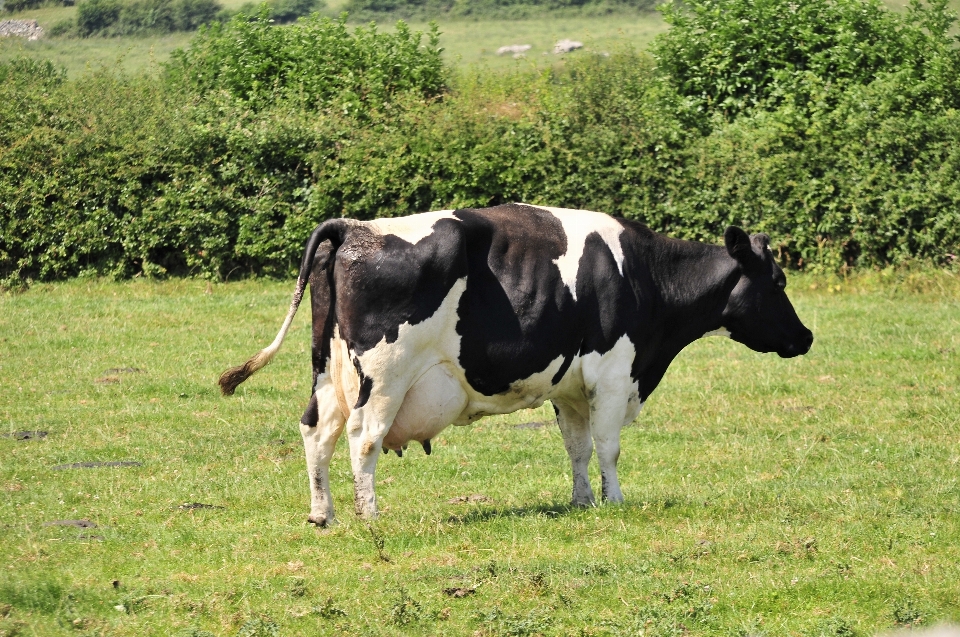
(693, 282)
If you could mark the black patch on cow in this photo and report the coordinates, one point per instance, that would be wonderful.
(366, 386)
(321, 305)
(384, 282)
(312, 414)
(516, 315)
(563, 370)
(606, 302)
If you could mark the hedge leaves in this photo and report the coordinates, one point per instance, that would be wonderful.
(832, 125)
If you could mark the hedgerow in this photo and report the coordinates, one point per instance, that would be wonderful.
(222, 166)
(498, 9)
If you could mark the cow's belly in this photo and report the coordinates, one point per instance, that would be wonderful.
(527, 393)
(434, 401)
(442, 396)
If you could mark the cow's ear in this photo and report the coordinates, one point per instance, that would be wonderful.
(740, 247)
(763, 241)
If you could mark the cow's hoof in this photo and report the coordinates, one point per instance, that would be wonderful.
(320, 521)
(583, 504)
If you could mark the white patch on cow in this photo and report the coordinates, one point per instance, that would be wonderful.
(614, 401)
(435, 400)
(577, 224)
(720, 332)
(412, 228)
(393, 369)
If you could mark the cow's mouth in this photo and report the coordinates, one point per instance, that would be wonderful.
(799, 348)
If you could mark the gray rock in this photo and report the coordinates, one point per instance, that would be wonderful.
(565, 46)
(514, 49)
(28, 29)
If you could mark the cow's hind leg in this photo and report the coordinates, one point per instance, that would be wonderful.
(576, 439)
(320, 427)
(366, 429)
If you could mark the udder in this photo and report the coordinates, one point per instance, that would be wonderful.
(434, 401)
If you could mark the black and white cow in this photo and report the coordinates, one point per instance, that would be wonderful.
(445, 317)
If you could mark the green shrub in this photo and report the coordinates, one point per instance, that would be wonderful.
(190, 15)
(280, 11)
(113, 17)
(733, 55)
(13, 6)
(63, 27)
(833, 126)
(145, 16)
(316, 62)
(284, 11)
(96, 16)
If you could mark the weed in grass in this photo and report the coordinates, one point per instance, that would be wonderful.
(536, 622)
(405, 610)
(327, 610)
(297, 587)
(193, 632)
(657, 621)
(259, 627)
(10, 627)
(378, 543)
(539, 581)
(907, 613)
(597, 569)
(835, 627)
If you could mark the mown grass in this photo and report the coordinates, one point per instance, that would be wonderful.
(814, 496)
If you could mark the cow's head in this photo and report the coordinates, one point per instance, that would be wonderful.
(758, 312)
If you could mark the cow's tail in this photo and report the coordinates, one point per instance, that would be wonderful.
(335, 230)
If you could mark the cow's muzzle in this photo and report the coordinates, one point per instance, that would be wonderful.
(799, 347)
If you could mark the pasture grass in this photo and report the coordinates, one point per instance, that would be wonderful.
(467, 44)
(812, 496)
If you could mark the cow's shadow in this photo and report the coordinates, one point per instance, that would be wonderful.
(552, 510)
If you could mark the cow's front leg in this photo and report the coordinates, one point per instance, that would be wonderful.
(576, 439)
(321, 426)
(610, 411)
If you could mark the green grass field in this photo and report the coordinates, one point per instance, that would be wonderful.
(812, 496)
(466, 43)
